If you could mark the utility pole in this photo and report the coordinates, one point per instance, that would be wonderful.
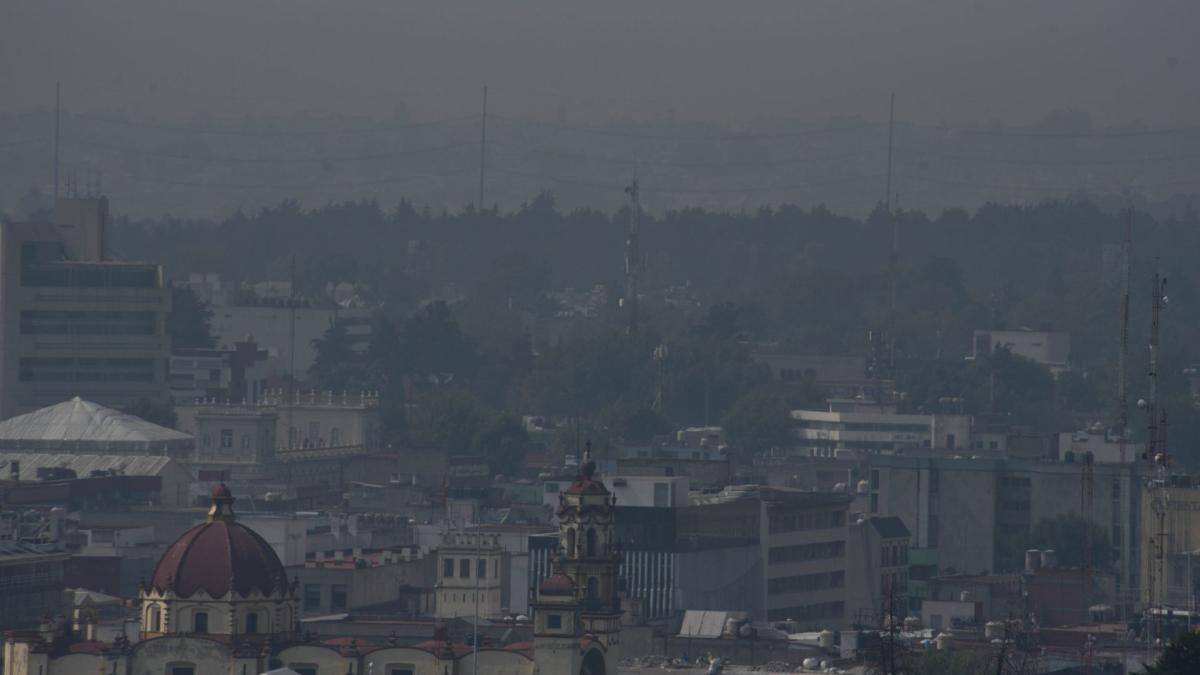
(57, 118)
(632, 257)
(482, 146)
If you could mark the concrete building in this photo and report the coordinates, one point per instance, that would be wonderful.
(233, 374)
(977, 512)
(31, 568)
(30, 472)
(863, 432)
(1047, 348)
(877, 570)
(1180, 526)
(470, 580)
(289, 443)
(839, 376)
(395, 580)
(76, 323)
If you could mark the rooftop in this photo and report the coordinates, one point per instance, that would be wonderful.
(78, 421)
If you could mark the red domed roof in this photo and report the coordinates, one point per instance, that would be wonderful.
(557, 584)
(219, 556)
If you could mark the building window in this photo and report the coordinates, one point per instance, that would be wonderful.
(464, 568)
(252, 623)
(314, 432)
(181, 669)
(448, 568)
(337, 597)
(481, 568)
(246, 440)
(200, 622)
(312, 597)
(874, 479)
(554, 621)
(591, 542)
(335, 436)
(874, 503)
(226, 438)
(402, 669)
(570, 542)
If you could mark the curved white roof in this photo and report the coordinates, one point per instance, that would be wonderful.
(80, 423)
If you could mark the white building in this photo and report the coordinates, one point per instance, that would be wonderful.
(859, 433)
(1050, 349)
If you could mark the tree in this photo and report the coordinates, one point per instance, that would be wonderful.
(761, 418)
(449, 419)
(503, 442)
(1066, 534)
(337, 366)
(1181, 657)
(189, 323)
(434, 346)
(161, 413)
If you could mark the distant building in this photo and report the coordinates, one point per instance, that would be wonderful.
(76, 323)
(863, 432)
(470, 580)
(218, 374)
(82, 481)
(31, 569)
(877, 570)
(975, 511)
(1050, 349)
(839, 376)
(396, 580)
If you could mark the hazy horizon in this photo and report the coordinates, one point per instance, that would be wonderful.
(694, 60)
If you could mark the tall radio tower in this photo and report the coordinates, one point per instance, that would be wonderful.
(633, 260)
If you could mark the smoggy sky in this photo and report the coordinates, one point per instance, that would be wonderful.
(713, 60)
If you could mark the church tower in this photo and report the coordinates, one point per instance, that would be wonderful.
(577, 613)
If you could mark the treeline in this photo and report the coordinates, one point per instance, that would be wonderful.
(805, 280)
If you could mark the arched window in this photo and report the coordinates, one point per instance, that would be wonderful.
(200, 622)
(154, 618)
(591, 542)
(251, 623)
(593, 588)
(571, 542)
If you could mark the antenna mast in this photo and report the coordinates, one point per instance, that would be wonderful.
(482, 147)
(632, 257)
(1156, 452)
(57, 116)
(1122, 362)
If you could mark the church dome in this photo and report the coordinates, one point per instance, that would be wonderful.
(557, 584)
(220, 556)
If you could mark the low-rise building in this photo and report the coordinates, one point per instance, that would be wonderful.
(470, 579)
(1047, 348)
(863, 432)
(400, 580)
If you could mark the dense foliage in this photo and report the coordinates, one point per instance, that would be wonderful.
(799, 280)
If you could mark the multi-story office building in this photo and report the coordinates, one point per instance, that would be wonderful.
(863, 431)
(978, 512)
(76, 323)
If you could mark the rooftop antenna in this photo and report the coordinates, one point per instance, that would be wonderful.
(1156, 452)
(1122, 360)
(482, 146)
(57, 117)
(632, 256)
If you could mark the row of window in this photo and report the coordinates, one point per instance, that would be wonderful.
(68, 369)
(61, 322)
(821, 610)
(799, 552)
(806, 520)
(894, 555)
(338, 596)
(464, 568)
(801, 583)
